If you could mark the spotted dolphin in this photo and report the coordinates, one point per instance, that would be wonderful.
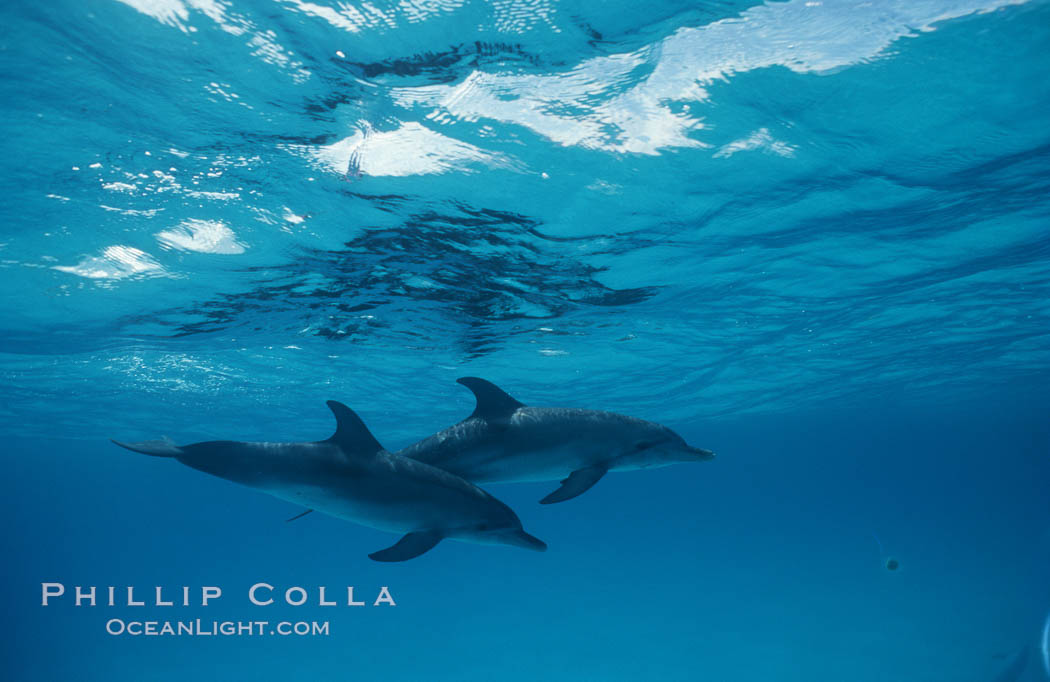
(504, 440)
(351, 476)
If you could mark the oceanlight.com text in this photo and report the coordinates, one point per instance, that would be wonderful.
(214, 628)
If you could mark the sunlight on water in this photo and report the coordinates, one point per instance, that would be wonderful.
(806, 195)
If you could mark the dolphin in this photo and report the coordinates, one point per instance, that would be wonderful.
(351, 476)
(503, 440)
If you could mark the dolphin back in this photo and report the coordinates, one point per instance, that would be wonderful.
(155, 448)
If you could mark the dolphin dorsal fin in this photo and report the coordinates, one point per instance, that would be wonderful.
(493, 402)
(351, 434)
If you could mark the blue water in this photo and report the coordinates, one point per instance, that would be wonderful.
(810, 236)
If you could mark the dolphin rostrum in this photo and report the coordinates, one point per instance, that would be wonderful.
(503, 440)
(352, 477)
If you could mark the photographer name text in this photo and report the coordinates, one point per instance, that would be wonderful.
(259, 594)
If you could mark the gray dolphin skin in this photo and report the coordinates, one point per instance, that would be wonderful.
(351, 476)
(503, 440)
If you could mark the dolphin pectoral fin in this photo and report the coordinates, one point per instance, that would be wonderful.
(408, 547)
(298, 516)
(578, 482)
(493, 403)
(155, 448)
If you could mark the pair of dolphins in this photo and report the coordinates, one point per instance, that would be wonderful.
(428, 491)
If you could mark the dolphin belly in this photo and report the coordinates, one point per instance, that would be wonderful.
(510, 462)
(365, 512)
(393, 503)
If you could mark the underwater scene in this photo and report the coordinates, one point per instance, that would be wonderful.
(453, 340)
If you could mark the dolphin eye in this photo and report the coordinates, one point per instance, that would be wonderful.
(644, 445)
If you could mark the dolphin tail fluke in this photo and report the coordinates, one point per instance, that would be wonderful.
(155, 448)
(408, 547)
(578, 482)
